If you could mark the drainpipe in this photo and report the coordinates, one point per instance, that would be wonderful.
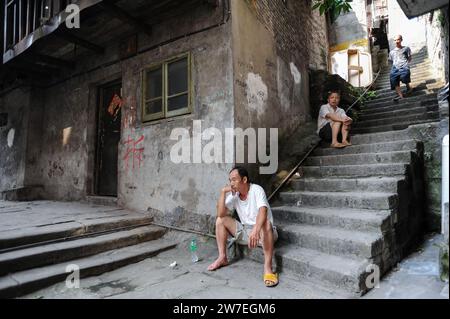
(445, 178)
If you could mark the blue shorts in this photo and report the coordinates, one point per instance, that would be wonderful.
(397, 75)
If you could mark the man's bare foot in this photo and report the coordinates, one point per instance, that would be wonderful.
(220, 262)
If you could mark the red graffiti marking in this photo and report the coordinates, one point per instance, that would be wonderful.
(133, 151)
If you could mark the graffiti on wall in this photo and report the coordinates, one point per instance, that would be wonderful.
(134, 152)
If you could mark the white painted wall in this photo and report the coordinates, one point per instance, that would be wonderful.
(412, 31)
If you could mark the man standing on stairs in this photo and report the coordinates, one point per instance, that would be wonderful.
(256, 226)
(333, 122)
(400, 57)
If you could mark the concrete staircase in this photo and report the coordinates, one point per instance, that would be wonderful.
(360, 206)
(31, 259)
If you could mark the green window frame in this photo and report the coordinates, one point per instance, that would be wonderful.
(166, 88)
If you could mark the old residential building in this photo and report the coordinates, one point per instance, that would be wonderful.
(89, 111)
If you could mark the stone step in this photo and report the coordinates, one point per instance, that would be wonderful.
(391, 127)
(344, 273)
(413, 97)
(333, 273)
(360, 200)
(354, 159)
(388, 146)
(367, 184)
(354, 171)
(333, 241)
(33, 235)
(381, 137)
(53, 253)
(418, 82)
(397, 119)
(348, 218)
(398, 113)
(401, 105)
(420, 85)
(27, 281)
(416, 87)
(416, 72)
(102, 200)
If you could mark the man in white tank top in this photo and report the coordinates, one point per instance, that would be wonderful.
(256, 221)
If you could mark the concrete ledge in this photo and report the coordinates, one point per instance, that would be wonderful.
(27, 193)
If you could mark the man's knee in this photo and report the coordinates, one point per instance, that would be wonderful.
(219, 221)
(337, 124)
(267, 227)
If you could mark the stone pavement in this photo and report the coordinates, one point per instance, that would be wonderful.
(153, 278)
(416, 277)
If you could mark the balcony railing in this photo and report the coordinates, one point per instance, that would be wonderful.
(23, 17)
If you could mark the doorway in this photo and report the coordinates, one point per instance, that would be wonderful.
(108, 138)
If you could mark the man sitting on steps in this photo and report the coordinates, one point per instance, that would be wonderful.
(333, 122)
(252, 206)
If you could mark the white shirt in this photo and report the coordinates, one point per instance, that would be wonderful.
(248, 209)
(324, 110)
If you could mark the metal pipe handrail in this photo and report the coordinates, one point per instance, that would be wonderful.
(364, 93)
(292, 172)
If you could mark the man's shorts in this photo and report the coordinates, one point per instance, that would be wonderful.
(243, 234)
(397, 75)
(326, 133)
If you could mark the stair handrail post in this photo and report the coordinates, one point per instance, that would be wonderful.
(445, 181)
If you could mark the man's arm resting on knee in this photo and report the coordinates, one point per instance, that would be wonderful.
(261, 219)
(222, 210)
(334, 117)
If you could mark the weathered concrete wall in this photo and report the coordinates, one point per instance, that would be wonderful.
(432, 135)
(13, 138)
(270, 58)
(318, 42)
(177, 191)
(436, 24)
(62, 164)
(412, 31)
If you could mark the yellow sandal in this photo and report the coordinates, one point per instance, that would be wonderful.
(271, 280)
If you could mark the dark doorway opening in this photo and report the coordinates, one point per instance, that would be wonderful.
(108, 138)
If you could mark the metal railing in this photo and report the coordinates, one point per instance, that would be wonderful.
(292, 172)
(22, 17)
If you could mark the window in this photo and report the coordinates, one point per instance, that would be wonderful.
(166, 89)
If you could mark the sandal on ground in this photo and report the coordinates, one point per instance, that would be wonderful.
(346, 143)
(337, 145)
(270, 280)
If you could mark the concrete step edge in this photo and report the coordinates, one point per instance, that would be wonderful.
(55, 253)
(27, 281)
(11, 239)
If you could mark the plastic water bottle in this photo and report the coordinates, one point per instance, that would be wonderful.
(193, 249)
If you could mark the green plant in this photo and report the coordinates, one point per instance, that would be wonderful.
(333, 7)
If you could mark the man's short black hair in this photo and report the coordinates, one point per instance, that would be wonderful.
(333, 91)
(242, 171)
